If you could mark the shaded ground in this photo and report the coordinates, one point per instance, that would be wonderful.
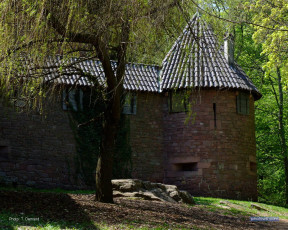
(69, 209)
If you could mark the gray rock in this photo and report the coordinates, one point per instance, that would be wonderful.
(225, 202)
(186, 197)
(30, 183)
(258, 207)
(127, 185)
(175, 196)
(137, 189)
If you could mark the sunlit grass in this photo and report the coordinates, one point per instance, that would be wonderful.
(242, 207)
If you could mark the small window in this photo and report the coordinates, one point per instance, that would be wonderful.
(4, 152)
(130, 104)
(178, 102)
(72, 99)
(243, 104)
(191, 166)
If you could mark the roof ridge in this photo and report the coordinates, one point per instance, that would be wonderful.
(197, 48)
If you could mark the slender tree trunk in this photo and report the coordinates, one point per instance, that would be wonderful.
(105, 161)
(104, 170)
(282, 132)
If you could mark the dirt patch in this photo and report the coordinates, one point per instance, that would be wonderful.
(75, 208)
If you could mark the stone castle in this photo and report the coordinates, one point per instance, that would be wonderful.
(191, 124)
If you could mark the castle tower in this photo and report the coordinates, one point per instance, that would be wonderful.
(209, 128)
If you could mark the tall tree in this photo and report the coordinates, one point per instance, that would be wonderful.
(272, 34)
(270, 167)
(33, 30)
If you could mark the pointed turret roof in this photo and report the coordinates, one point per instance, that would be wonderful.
(196, 60)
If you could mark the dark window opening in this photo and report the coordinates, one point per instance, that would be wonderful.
(4, 152)
(214, 111)
(130, 103)
(242, 103)
(178, 102)
(192, 166)
(72, 99)
(253, 167)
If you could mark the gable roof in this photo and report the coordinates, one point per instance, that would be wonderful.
(138, 77)
(196, 60)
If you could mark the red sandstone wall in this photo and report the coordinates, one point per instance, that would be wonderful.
(146, 133)
(223, 154)
(36, 150)
(41, 152)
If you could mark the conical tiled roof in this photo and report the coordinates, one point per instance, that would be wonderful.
(196, 60)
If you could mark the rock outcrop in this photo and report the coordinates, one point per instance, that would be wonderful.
(133, 188)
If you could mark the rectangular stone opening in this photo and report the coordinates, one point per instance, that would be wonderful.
(253, 167)
(191, 166)
(4, 152)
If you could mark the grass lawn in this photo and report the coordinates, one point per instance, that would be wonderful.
(58, 209)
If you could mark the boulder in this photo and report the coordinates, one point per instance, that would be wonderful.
(137, 189)
(258, 207)
(186, 197)
(127, 185)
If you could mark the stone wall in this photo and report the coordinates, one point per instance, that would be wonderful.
(201, 156)
(212, 159)
(38, 150)
(146, 134)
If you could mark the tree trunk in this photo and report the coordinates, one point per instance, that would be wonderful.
(105, 162)
(104, 168)
(282, 133)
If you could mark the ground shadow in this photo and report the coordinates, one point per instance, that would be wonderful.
(41, 209)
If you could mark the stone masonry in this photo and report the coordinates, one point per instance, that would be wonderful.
(221, 152)
(204, 155)
(37, 150)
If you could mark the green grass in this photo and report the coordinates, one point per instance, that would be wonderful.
(243, 207)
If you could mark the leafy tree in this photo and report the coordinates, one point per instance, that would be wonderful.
(272, 34)
(33, 31)
(271, 176)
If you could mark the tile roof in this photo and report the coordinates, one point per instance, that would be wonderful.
(196, 60)
(138, 77)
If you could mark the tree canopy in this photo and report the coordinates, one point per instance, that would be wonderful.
(32, 31)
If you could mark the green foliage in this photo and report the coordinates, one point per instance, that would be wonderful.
(89, 135)
(272, 14)
(271, 176)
